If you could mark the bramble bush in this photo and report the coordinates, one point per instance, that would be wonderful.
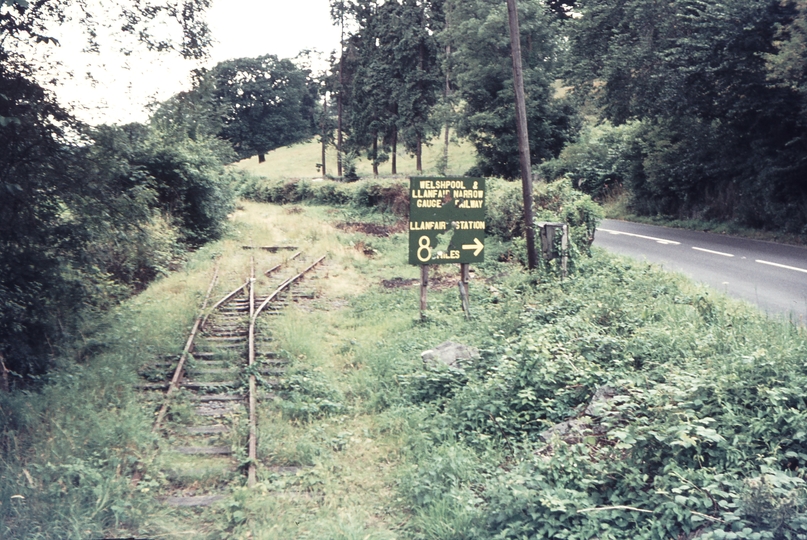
(701, 433)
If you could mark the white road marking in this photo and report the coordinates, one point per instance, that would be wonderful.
(659, 240)
(786, 267)
(713, 252)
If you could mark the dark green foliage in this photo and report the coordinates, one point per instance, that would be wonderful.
(554, 202)
(191, 183)
(262, 103)
(701, 431)
(416, 57)
(89, 216)
(35, 167)
(377, 195)
(393, 76)
(721, 136)
(602, 160)
(80, 221)
(484, 80)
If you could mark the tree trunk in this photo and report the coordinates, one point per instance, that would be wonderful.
(375, 154)
(418, 155)
(395, 151)
(523, 136)
(3, 375)
(339, 119)
(445, 147)
(419, 152)
(324, 135)
(261, 158)
(341, 91)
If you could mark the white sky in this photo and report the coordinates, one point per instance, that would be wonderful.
(124, 86)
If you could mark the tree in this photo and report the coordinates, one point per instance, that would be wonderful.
(263, 103)
(787, 66)
(417, 61)
(720, 141)
(484, 81)
(389, 75)
(371, 107)
(34, 174)
(320, 84)
(62, 203)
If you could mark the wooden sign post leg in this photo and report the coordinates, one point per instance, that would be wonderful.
(564, 246)
(424, 284)
(463, 284)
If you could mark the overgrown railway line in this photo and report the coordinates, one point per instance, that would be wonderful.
(206, 400)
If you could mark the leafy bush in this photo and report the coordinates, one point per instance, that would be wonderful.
(558, 201)
(505, 211)
(192, 184)
(384, 196)
(700, 432)
(603, 158)
(555, 202)
(306, 395)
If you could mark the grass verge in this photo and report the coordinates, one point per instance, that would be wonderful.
(616, 207)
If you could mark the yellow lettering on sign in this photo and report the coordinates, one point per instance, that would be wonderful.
(425, 194)
(447, 255)
(428, 225)
(469, 225)
(468, 194)
(429, 203)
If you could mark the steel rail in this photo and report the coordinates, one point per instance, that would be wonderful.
(283, 286)
(185, 352)
(253, 421)
(277, 266)
(223, 301)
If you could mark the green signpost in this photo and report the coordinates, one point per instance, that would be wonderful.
(446, 225)
(446, 220)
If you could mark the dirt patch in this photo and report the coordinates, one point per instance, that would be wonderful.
(438, 281)
(372, 229)
(441, 282)
(293, 210)
(398, 283)
(365, 249)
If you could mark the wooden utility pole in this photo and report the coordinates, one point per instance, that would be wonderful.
(424, 286)
(448, 80)
(339, 96)
(523, 136)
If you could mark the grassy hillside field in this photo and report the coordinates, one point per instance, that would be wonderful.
(299, 161)
(620, 403)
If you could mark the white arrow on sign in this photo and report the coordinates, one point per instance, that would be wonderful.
(477, 246)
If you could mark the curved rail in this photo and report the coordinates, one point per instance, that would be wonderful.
(285, 285)
(226, 335)
(173, 385)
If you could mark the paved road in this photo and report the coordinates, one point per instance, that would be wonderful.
(772, 276)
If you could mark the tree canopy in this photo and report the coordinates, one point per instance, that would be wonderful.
(261, 103)
(716, 88)
(89, 215)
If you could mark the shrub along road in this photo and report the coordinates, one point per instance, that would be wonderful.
(772, 276)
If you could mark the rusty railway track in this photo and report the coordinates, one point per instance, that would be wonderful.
(213, 386)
